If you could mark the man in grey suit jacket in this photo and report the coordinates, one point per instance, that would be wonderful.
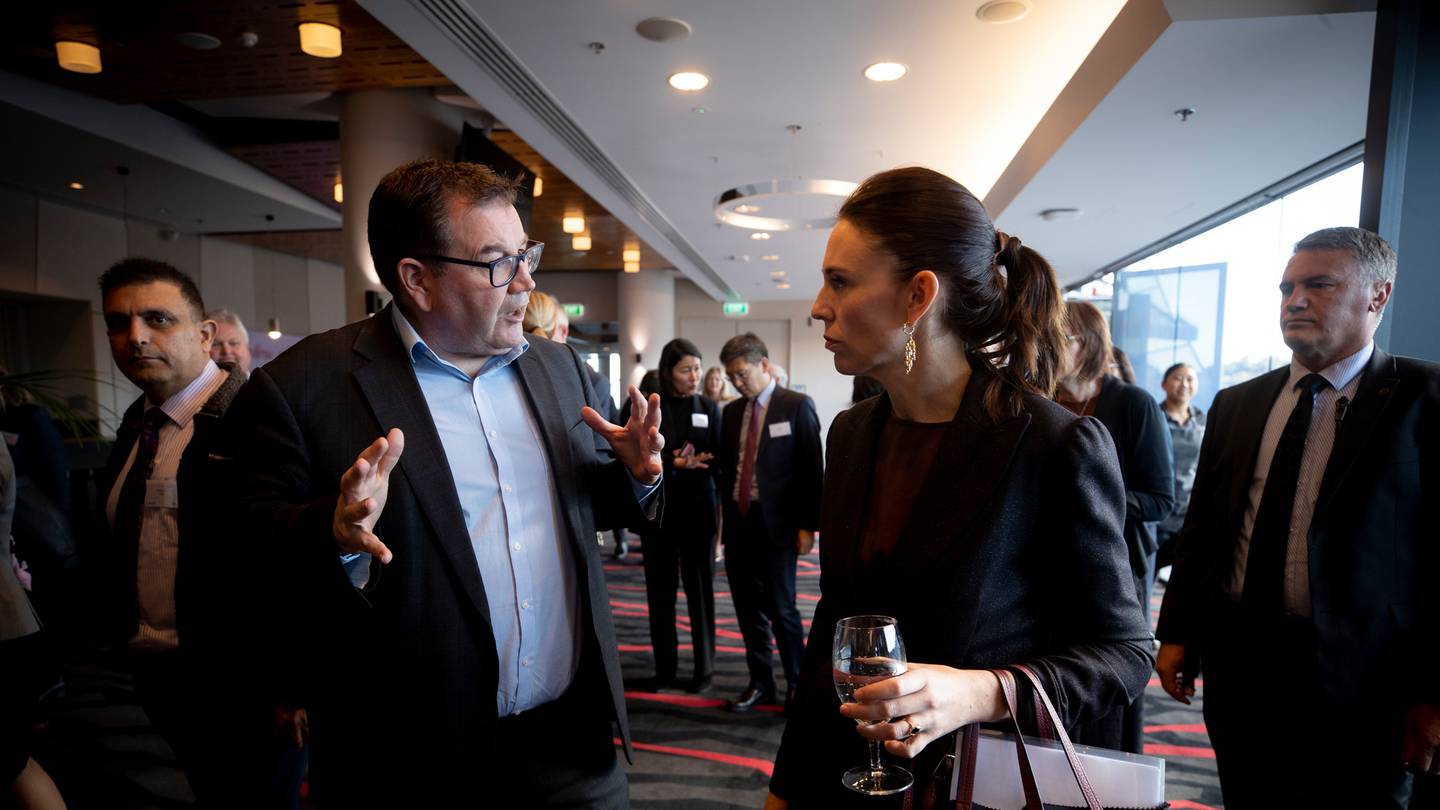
(447, 577)
(1304, 583)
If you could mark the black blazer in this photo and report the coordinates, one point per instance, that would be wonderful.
(690, 505)
(1147, 466)
(1012, 554)
(208, 583)
(405, 672)
(1372, 549)
(790, 468)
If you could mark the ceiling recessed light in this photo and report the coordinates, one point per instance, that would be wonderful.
(784, 285)
(770, 257)
(630, 254)
(747, 209)
(78, 186)
(78, 57)
(1060, 214)
(197, 41)
(320, 39)
(572, 223)
(539, 187)
(760, 236)
(632, 267)
(885, 71)
(664, 29)
(580, 243)
(777, 274)
(689, 81)
(1002, 11)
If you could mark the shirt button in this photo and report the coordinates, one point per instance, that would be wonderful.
(509, 488)
(491, 434)
(524, 604)
(515, 546)
(524, 662)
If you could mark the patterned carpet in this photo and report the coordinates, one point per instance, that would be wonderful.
(692, 753)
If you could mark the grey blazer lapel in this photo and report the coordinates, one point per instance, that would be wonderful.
(536, 378)
(389, 385)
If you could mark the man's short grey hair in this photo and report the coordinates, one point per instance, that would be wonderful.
(231, 318)
(1371, 252)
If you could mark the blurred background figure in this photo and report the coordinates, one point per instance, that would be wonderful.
(26, 783)
(717, 388)
(1120, 366)
(232, 340)
(685, 540)
(1142, 444)
(1187, 429)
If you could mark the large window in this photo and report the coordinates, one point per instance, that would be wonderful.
(1213, 300)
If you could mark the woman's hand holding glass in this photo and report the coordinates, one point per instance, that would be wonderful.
(930, 698)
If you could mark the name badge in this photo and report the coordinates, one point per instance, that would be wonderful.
(163, 493)
(700, 420)
(778, 429)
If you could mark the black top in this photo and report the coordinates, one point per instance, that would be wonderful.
(1142, 446)
(1012, 553)
(690, 495)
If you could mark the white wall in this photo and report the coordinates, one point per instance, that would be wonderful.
(810, 365)
(58, 251)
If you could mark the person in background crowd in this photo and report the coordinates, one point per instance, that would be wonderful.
(544, 317)
(780, 375)
(685, 541)
(37, 448)
(1142, 445)
(1187, 430)
(232, 340)
(960, 501)
(170, 585)
(717, 388)
(1120, 366)
(465, 623)
(1308, 553)
(771, 473)
(25, 783)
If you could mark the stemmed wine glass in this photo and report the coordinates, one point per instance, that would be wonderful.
(868, 649)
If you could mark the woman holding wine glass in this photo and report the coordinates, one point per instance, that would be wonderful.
(983, 517)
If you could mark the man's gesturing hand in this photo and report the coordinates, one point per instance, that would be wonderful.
(638, 443)
(363, 489)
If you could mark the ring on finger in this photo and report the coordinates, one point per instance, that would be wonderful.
(914, 728)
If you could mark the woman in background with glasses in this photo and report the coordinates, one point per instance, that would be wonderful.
(961, 500)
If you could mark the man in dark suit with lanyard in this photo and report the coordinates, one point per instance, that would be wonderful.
(771, 472)
(447, 569)
(1305, 582)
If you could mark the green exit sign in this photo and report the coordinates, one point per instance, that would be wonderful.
(737, 309)
(574, 310)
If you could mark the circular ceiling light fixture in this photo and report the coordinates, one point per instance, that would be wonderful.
(885, 71)
(689, 81)
(664, 29)
(197, 40)
(76, 185)
(790, 204)
(78, 57)
(1000, 12)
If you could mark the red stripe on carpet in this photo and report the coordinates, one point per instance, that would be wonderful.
(807, 564)
(692, 701)
(1183, 728)
(1186, 804)
(616, 603)
(1159, 750)
(764, 766)
(809, 597)
(647, 648)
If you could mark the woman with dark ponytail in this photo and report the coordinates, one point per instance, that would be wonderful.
(961, 501)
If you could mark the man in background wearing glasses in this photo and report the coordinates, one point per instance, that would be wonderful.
(429, 477)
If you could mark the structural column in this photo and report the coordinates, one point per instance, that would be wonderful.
(1401, 198)
(379, 130)
(646, 309)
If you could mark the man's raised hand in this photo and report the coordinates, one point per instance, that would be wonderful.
(638, 443)
(363, 489)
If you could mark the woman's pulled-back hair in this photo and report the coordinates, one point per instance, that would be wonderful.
(541, 312)
(1010, 321)
(670, 357)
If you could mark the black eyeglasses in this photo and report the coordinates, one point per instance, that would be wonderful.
(503, 269)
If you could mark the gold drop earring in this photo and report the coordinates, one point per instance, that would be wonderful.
(909, 330)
